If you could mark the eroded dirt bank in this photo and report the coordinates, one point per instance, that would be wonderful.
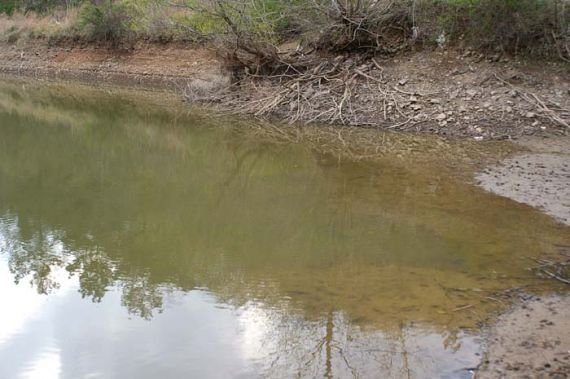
(448, 93)
(147, 65)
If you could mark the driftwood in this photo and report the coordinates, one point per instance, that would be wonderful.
(553, 269)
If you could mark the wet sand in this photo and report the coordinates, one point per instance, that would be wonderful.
(539, 178)
(531, 341)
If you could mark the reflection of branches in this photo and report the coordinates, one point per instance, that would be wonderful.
(35, 257)
(141, 297)
(332, 349)
(329, 339)
(95, 274)
(334, 346)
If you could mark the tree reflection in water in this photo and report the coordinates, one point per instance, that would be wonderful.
(344, 269)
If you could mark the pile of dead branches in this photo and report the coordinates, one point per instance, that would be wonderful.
(331, 92)
(365, 25)
(355, 90)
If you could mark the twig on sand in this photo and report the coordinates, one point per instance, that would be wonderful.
(463, 308)
(545, 264)
(556, 276)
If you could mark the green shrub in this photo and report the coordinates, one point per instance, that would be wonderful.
(108, 21)
(7, 6)
(250, 30)
(534, 26)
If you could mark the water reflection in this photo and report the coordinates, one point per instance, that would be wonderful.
(207, 252)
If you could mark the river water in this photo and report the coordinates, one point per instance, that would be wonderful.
(145, 241)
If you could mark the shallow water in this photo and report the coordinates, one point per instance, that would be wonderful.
(139, 241)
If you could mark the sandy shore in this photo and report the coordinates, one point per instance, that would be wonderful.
(531, 341)
(539, 178)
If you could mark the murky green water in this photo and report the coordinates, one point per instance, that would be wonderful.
(140, 242)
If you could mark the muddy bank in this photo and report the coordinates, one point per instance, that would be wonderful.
(539, 177)
(531, 341)
(448, 93)
(173, 67)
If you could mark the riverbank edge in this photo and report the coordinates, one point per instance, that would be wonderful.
(451, 93)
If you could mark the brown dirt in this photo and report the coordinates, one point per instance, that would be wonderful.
(531, 341)
(147, 65)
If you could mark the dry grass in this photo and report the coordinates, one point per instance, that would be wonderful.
(23, 27)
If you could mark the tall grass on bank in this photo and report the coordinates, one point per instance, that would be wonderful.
(20, 27)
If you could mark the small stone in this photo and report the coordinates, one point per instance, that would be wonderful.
(413, 99)
(441, 117)
(403, 82)
(509, 109)
(530, 115)
(471, 92)
(478, 138)
(435, 101)
(487, 105)
(513, 93)
(453, 95)
(416, 107)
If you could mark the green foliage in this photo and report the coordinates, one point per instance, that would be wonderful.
(108, 21)
(540, 27)
(7, 6)
(512, 25)
(266, 20)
